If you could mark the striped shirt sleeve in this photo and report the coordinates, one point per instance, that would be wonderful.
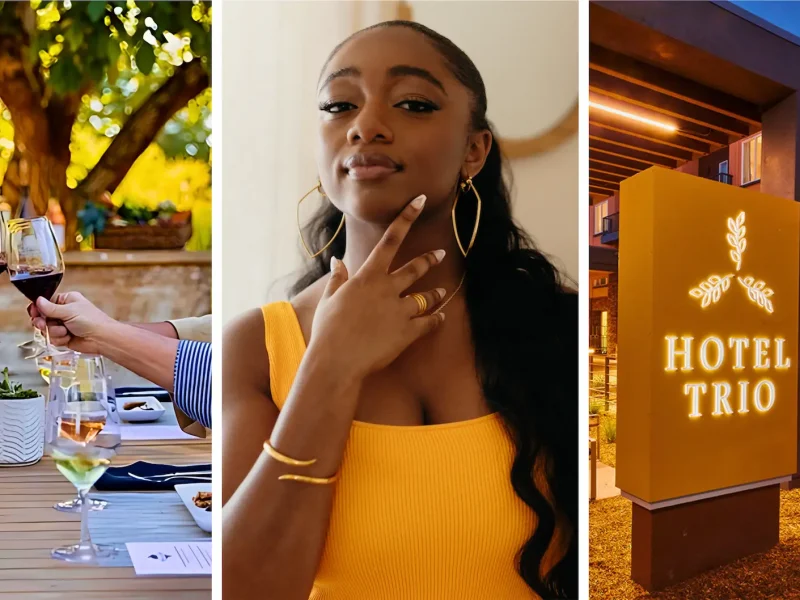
(193, 380)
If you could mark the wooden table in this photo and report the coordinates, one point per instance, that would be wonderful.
(30, 527)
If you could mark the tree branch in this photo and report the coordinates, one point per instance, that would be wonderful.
(22, 98)
(142, 128)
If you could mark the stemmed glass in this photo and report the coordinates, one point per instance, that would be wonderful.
(84, 375)
(35, 263)
(3, 245)
(78, 450)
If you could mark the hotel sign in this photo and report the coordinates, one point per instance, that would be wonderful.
(707, 336)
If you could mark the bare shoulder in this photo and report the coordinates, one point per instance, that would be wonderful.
(244, 352)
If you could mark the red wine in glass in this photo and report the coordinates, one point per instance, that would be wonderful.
(33, 285)
(35, 263)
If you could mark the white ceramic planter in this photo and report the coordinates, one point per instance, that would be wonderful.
(21, 431)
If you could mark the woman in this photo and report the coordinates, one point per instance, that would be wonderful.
(405, 456)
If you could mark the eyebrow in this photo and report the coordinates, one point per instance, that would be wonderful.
(396, 71)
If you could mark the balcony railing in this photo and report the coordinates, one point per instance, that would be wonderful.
(725, 178)
(610, 229)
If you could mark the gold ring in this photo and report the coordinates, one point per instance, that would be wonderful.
(422, 303)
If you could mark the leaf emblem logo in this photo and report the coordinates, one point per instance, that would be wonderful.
(710, 290)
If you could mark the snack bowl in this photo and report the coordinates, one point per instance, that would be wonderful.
(142, 409)
(188, 492)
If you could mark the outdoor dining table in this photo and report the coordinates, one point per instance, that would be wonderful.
(30, 527)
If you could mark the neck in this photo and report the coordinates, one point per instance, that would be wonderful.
(431, 231)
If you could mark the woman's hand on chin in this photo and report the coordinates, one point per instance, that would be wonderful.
(362, 322)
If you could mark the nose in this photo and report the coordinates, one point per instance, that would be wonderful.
(369, 125)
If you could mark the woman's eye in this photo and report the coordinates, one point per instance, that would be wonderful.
(417, 106)
(336, 107)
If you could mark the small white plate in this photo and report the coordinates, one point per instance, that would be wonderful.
(137, 415)
(187, 491)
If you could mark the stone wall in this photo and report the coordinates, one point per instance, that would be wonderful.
(129, 286)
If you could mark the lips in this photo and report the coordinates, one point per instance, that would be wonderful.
(370, 166)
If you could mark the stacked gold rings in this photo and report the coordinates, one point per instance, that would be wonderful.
(422, 303)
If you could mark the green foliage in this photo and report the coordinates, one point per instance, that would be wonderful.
(14, 391)
(609, 427)
(595, 406)
(117, 54)
(92, 219)
(6, 139)
(76, 44)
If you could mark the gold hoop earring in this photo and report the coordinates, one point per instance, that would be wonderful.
(465, 187)
(316, 188)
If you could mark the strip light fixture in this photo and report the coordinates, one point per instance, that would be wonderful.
(628, 115)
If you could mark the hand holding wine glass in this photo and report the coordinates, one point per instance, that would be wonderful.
(72, 321)
(35, 263)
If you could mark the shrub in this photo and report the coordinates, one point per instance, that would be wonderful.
(609, 427)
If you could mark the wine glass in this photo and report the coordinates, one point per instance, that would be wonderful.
(84, 375)
(78, 452)
(35, 263)
(3, 244)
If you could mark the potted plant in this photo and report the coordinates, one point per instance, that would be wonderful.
(21, 424)
(135, 227)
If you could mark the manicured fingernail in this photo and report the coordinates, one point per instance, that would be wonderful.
(440, 292)
(419, 201)
(439, 254)
(334, 260)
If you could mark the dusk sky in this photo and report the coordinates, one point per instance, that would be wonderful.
(785, 15)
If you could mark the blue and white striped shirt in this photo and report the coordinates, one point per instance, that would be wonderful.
(193, 380)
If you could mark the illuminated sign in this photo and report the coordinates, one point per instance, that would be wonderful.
(711, 290)
(707, 380)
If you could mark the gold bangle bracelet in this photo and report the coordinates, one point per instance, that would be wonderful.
(305, 479)
(286, 459)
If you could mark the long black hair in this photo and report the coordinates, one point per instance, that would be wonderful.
(524, 329)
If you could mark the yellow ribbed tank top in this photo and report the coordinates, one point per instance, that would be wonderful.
(420, 512)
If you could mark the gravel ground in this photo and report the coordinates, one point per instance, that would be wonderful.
(774, 575)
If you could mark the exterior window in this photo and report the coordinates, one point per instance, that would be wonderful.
(604, 332)
(600, 211)
(751, 160)
(600, 282)
(723, 167)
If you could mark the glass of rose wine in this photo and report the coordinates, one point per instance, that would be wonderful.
(83, 376)
(78, 449)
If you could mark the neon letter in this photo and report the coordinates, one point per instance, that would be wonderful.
(761, 347)
(672, 353)
(738, 344)
(721, 393)
(757, 395)
(704, 353)
(695, 389)
(743, 385)
(781, 362)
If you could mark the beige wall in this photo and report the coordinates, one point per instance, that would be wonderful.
(526, 51)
